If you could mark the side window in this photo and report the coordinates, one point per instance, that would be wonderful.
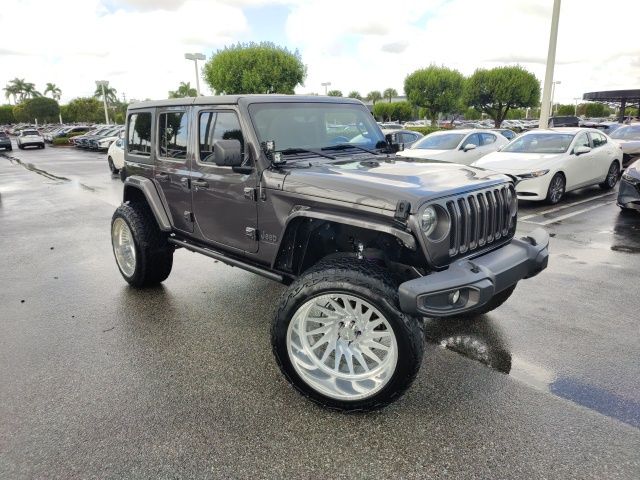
(598, 139)
(172, 135)
(139, 134)
(217, 126)
(582, 141)
(487, 138)
(474, 138)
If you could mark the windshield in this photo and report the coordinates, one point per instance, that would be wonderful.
(540, 143)
(315, 125)
(630, 132)
(447, 141)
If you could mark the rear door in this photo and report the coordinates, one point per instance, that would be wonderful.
(172, 166)
(224, 202)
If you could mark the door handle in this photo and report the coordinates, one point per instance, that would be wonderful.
(162, 177)
(199, 184)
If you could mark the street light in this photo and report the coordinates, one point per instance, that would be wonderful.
(102, 84)
(195, 57)
(575, 99)
(325, 85)
(551, 62)
(553, 92)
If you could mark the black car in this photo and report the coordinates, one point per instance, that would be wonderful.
(5, 141)
(564, 121)
(629, 193)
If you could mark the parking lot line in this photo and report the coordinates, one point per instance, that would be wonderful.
(573, 214)
(563, 207)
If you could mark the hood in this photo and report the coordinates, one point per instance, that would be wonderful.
(510, 162)
(634, 169)
(424, 153)
(381, 183)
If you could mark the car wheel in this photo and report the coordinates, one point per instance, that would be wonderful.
(556, 188)
(112, 167)
(341, 340)
(123, 174)
(612, 177)
(143, 255)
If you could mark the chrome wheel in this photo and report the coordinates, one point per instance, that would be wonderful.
(124, 246)
(342, 346)
(612, 176)
(556, 189)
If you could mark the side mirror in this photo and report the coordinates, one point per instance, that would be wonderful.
(469, 146)
(581, 149)
(227, 153)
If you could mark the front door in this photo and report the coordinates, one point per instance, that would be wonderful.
(579, 167)
(171, 171)
(224, 199)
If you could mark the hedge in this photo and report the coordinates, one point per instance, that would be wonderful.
(424, 130)
(61, 141)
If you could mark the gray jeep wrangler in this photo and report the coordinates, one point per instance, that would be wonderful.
(308, 192)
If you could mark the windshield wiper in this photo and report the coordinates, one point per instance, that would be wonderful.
(292, 151)
(342, 146)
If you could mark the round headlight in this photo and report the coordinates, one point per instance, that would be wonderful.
(512, 202)
(428, 220)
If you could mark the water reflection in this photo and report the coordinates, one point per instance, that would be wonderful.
(626, 233)
(479, 340)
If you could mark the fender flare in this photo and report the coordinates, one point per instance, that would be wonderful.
(154, 201)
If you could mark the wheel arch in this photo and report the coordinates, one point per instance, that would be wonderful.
(140, 189)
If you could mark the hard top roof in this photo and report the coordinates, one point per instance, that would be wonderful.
(235, 99)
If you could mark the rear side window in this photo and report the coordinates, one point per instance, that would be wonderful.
(472, 139)
(598, 139)
(487, 138)
(217, 126)
(139, 134)
(172, 135)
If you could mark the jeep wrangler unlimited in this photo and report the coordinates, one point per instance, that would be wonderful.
(307, 191)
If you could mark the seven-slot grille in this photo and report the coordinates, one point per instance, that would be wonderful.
(479, 219)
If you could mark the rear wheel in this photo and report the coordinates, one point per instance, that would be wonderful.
(143, 255)
(612, 177)
(123, 174)
(556, 188)
(341, 340)
(112, 167)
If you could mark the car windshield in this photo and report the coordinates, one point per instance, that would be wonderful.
(540, 143)
(315, 125)
(629, 132)
(29, 132)
(447, 141)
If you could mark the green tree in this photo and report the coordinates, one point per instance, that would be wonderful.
(88, 109)
(518, 113)
(374, 96)
(401, 111)
(389, 93)
(6, 115)
(564, 109)
(110, 93)
(254, 68)
(334, 93)
(596, 110)
(20, 90)
(56, 93)
(11, 90)
(41, 108)
(355, 94)
(472, 114)
(501, 89)
(437, 89)
(183, 90)
(381, 111)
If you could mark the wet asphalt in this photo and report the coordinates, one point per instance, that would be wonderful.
(98, 380)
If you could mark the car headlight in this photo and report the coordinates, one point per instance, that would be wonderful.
(630, 179)
(428, 220)
(535, 174)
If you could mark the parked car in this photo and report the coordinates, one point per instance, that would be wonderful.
(365, 245)
(628, 136)
(103, 142)
(609, 127)
(5, 141)
(406, 137)
(456, 146)
(550, 163)
(629, 193)
(506, 133)
(564, 121)
(85, 141)
(115, 158)
(29, 138)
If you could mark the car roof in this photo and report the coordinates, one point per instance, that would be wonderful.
(235, 99)
(463, 131)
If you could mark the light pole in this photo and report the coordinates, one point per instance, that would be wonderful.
(102, 84)
(575, 99)
(553, 93)
(195, 57)
(325, 85)
(551, 61)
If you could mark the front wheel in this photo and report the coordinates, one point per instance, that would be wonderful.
(556, 189)
(612, 177)
(112, 167)
(341, 340)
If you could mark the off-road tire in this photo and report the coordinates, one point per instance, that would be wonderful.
(497, 300)
(154, 255)
(112, 167)
(372, 283)
(606, 185)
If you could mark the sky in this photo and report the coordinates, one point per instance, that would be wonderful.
(139, 45)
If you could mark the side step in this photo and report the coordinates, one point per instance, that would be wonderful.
(228, 260)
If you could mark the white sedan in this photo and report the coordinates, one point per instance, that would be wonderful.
(628, 136)
(554, 161)
(115, 158)
(456, 146)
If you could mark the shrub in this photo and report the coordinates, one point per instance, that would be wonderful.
(424, 130)
(75, 134)
(61, 141)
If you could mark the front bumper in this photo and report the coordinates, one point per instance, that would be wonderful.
(629, 195)
(533, 188)
(477, 280)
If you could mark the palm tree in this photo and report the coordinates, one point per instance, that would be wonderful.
(390, 93)
(355, 94)
(11, 91)
(184, 90)
(110, 94)
(29, 91)
(56, 93)
(374, 96)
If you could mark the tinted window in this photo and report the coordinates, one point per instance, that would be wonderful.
(217, 126)
(627, 132)
(598, 139)
(407, 137)
(139, 134)
(582, 141)
(540, 143)
(474, 138)
(446, 141)
(487, 138)
(172, 135)
(29, 132)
